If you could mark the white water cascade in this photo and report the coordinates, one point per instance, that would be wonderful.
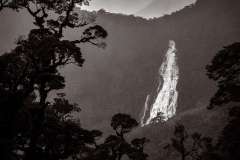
(163, 104)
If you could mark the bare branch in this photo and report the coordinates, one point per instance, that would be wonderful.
(66, 19)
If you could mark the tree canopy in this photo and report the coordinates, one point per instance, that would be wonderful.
(34, 127)
(30, 71)
(225, 70)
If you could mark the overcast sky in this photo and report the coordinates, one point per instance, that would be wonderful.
(144, 8)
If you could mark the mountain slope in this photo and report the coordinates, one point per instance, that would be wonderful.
(119, 78)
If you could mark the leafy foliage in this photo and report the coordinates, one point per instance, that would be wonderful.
(225, 70)
(60, 137)
(31, 71)
(39, 129)
(192, 146)
(123, 123)
(116, 146)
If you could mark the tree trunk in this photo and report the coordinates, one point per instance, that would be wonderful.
(38, 120)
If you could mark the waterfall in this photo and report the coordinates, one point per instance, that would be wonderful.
(165, 102)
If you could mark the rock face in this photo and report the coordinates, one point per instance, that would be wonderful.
(165, 102)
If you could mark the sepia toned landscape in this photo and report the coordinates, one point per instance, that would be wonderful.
(119, 80)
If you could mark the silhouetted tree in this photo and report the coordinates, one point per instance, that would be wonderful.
(123, 123)
(33, 66)
(225, 70)
(116, 146)
(178, 142)
(137, 150)
(192, 146)
(34, 128)
(61, 136)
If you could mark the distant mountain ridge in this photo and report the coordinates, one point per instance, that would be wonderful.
(165, 6)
